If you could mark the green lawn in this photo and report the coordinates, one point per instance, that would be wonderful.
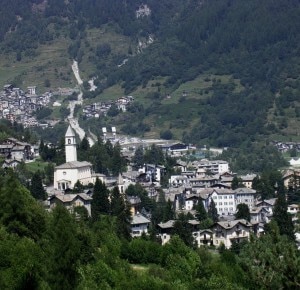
(36, 165)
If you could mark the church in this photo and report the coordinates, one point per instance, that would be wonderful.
(67, 174)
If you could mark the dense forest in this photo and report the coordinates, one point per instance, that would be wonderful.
(255, 43)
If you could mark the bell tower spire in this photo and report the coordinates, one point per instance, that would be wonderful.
(70, 145)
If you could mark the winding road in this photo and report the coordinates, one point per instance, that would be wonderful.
(72, 120)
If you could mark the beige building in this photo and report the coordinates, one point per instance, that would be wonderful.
(229, 232)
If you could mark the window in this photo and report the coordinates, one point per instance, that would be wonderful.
(64, 172)
(220, 197)
(225, 203)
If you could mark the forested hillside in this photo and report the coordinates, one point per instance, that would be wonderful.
(231, 67)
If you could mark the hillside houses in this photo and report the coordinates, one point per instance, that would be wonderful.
(13, 149)
(19, 106)
(96, 110)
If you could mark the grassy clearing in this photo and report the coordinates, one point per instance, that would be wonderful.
(199, 88)
(36, 165)
(140, 268)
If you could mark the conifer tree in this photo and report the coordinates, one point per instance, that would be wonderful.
(201, 213)
(213, 212)
(36, 187)
(283, 218)
(20, 214)
(63, 250)
(100, 203)
(120, 209)
(243, 212)
(138, 158)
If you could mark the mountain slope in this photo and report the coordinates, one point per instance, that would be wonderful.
(239, 59)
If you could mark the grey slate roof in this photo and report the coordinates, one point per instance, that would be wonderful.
(139, 219)
(73, 165)
(231, 224)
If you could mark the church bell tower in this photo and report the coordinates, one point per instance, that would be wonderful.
(70, 145)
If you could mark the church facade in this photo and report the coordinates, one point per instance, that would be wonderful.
(66, 175)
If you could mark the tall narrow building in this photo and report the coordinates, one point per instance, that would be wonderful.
(70, 145)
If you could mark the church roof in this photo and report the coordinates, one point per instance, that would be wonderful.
(73, 165)
(70, 197)
(70, 132)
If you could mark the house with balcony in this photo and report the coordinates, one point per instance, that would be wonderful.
(203, 237)
(230, 232)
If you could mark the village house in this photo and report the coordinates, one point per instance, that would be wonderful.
(71, 201)
(230, 232)
(291, 178)
(139, 225)
(214, 166)
(166, 231)
(15, 104)
(155, 172)
(224, 200)
(204, 182)
(247, 180)
(245, 195)
(11, 163)
(268, 204)
(203, 237)
(12, 148)
(259, 214)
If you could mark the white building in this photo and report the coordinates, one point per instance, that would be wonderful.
(67, 174)
(224, 200)
(214, 166)
(139, 225)
(229, 232)
(246, 196)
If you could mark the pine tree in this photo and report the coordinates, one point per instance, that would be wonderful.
(201, 213)
(283, 218)
(36, 188)
(100, 203)
(20, 214)
(213, 212)
(183, 229)
(120, 208)
(117, 161)
(138, 158)
(64, 250)
(243, 212)
(236, 183)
